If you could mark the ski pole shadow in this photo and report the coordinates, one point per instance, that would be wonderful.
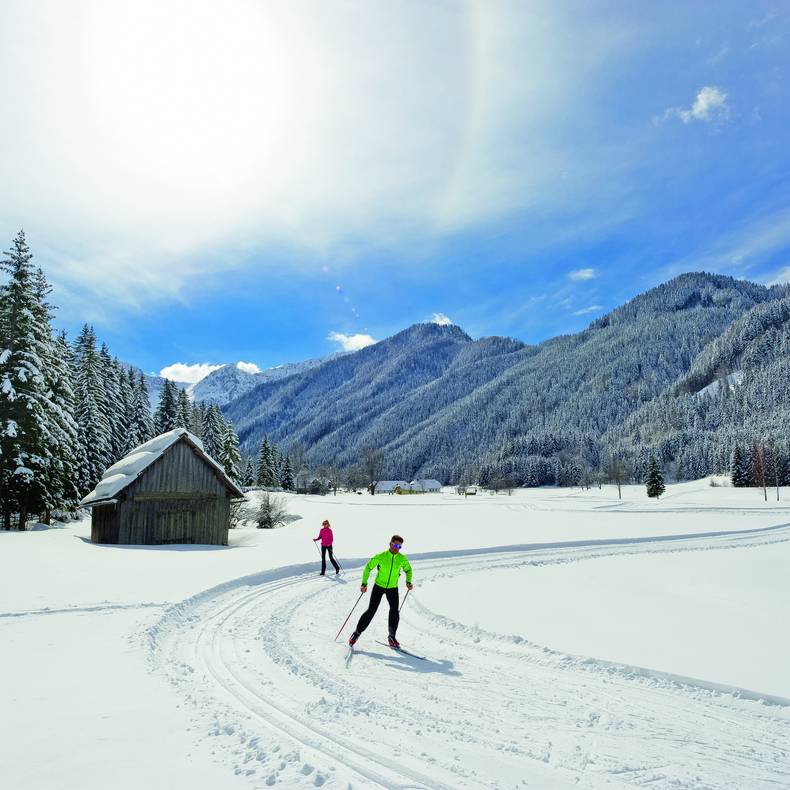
(406, 663)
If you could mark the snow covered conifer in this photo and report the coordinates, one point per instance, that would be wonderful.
(166, 415)
(287, 478)
(267, 475)
(93, 427)
(25, 351)
(184, 410)
(231, 456)
(197, 418)
(62, 487)
(142, 421)
(654, 478)
(214, 433)
(114, 408)
(278, 463)
(125, 385)
(247, 472)
(748, 464)
(739, 474)
(57, 464)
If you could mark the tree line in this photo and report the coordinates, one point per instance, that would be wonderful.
(69, 410)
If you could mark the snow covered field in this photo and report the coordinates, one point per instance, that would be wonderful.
(571, 640)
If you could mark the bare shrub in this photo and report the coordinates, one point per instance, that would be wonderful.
(272, 512)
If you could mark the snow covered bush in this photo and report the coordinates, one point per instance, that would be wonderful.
(272, 512)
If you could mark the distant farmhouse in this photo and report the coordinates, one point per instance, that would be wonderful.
(403, 487)
(428, 486)
(167, 490)
(389, 486)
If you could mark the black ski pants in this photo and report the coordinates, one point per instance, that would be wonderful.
(375, 599)
(324, 550)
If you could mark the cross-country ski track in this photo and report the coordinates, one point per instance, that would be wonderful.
(285, 705)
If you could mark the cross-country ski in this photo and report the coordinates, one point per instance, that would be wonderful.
(401, 649)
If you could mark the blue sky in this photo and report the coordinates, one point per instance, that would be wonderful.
(211, 184)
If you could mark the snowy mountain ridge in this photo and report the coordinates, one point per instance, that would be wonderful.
(232, 381)
(440, 404)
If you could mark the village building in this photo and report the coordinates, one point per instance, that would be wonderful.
(427, 486)
(168, 490)
(389, 486)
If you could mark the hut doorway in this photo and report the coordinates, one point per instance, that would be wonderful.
(175, 523)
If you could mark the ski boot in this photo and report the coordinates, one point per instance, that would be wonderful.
(352, 640)
(392, 641)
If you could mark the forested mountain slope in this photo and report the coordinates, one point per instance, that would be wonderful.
(442, 405)
(694, 426)
(231, 381)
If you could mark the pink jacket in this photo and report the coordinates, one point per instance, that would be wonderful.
(326, 536)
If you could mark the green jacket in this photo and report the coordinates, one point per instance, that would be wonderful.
(389, 567)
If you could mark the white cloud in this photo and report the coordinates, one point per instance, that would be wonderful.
(188, 374)
(752, 246)
(248, 367)
(274, 93)
(441, 319)
(782, 277)
(351, 342)
(586, 310)
(583, 274)
(710, 105)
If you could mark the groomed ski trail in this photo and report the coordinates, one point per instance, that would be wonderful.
(285, 706)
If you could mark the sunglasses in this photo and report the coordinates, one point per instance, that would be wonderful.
(396, 545)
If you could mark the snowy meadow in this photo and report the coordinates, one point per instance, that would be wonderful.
(570, 639)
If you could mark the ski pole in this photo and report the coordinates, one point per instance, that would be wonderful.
(349, 615)
(342, 569)
(404, 600)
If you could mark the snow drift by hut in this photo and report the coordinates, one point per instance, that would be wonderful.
(167, 490)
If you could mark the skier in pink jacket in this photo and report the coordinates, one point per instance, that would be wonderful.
(326, 538)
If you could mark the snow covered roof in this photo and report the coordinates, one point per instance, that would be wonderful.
(425, 485)
(129, 468)
(389, 485)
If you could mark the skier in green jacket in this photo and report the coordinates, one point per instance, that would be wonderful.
(389, 564)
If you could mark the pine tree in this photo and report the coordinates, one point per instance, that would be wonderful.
(184, 410)
(278, 464)
(248, 472)
(231, 456)
(266, 476)
(287, 479)
(654, 479)
(26, 445)
(738, 473)
(142, 421)
(94, 430)
(114, 409)
(167, 412)
(197, 418)
(214, 433)
(62, 485)
(125, 386)
(60, 430)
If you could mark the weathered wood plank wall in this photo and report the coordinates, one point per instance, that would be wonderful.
(105, 522)
(178, 499)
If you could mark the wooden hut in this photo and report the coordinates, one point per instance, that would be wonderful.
(167, 490)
